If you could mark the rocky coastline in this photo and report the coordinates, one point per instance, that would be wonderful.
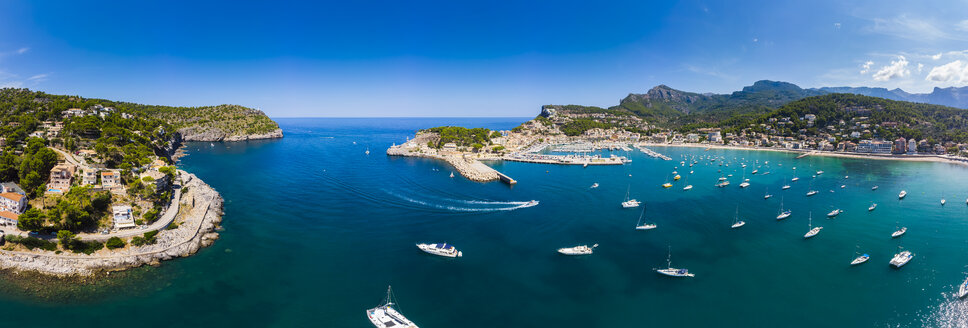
(470, 168)
(199, 215)
(215, 134)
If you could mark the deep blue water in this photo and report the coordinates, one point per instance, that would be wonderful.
(315, 230)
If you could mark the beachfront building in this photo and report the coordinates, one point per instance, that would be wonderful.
(89, 177)
(9, 218)
(912, 146)
(60, 178)
(11, 201)
(122, 217)
(110, 179)
(874, 146)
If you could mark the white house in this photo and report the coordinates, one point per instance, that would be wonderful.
(122, 217)
(89, 178)
(13, 202)
(110, 179)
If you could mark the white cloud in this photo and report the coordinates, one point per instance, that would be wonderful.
(756, 40)
(955, 72)
(962, 25)
(936, 57)
(913, 29)
(897, 69)
(38, 78)
(837, 25)
(23, 50)
(866, 67)
(920, 67)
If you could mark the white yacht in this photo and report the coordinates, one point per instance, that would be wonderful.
(901, 194)
(872, 207)
(785, 187)
(783, 214)
(385, 316)
(722, 184)
(642, 225)
(942, 199)
(687, 187)
(577, 250)
(813, 230)
(367, 151)
(531, 203)
(441, 249)
(860, 259)
(819, 172)
(744, 184)
(834, 213)
(874, 188)
(755, 171)
(451, 174)
(736, 221)
(673, 272)
(963, 289)
(595, 185)
(902, 258)
(899, 232)
(767, 195)
(795, 179)
(629, 203)
(843, 186)
(811, 193)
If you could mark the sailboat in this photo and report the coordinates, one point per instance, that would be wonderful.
(629, 203)
(644, 226)
(861, 258)
(767, 195)
(813, 230)
(673, 272)
(367, 151)
(783, 214)
(834, 213)
(873, 188)
(900, 232)
(688, 186)
(963, 289)
(872, 207)
(385, 316)
(594, 185)
(785, 187)
(451, 174)
(942, 198)
(736, 221)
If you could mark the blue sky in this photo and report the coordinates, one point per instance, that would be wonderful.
(468, 58)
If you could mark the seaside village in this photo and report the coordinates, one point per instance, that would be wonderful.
(575, 131)
(83, 193)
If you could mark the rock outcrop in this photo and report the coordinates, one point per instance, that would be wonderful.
(202, 213)
(216, 134)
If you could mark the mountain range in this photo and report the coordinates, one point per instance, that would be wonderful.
(665, 106)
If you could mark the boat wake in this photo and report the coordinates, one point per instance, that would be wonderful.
(457, 205)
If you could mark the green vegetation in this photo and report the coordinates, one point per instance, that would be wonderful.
(147, 239)
(229, 119)
(461, 136)
(32, 242)
(578, 126)
(115, 242)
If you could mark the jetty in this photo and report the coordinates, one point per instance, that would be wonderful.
(652, 153)
(805, 155)
(469, 167)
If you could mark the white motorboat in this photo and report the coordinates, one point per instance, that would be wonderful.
(722, 178)
(666, 185)
(440, 249)
(723, 184)
(813, 230)
(736, 221)
(744, 184)
(846, 177)
(819, 172)
(577, 250)
(767, 195)
(367, 151)
(531, 203)
(795, 179)
(901, 194)
(642, 225)
(874, 188)
(860, 259)
(834, 213)
(673, 272)
(594, 185)
(687, 187)
(899, 232)
(451, 174)
(963, 289)
(811, 193)
(785, 187)
(942, 199)
(385, 316)
(902, 258)
(872, 207)
(755, 171)
(843, 186)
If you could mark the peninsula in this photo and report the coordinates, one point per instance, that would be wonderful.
(768, 115)
(90, 185)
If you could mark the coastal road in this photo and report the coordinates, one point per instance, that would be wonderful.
(69, 157)
(169, 215)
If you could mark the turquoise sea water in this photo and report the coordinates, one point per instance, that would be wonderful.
(315, 230)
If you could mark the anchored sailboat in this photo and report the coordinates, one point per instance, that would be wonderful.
(673, 272)
(385, 316)
(644, 226)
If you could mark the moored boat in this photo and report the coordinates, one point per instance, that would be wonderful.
(813, 230)
(902, 194)
(441, 249)
(902, 258)
(963, 289)
(811, 193)
(642, 225)
(578, 250)
(899, 232)
(834, 213)
(860, 259)
(385, 316)
(872, 207)
(673, 272)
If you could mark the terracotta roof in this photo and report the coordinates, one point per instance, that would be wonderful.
(12, 196)
(9, 215)
(107, 173)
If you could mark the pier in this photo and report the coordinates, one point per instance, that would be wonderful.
(566, 159)
(653, 153)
